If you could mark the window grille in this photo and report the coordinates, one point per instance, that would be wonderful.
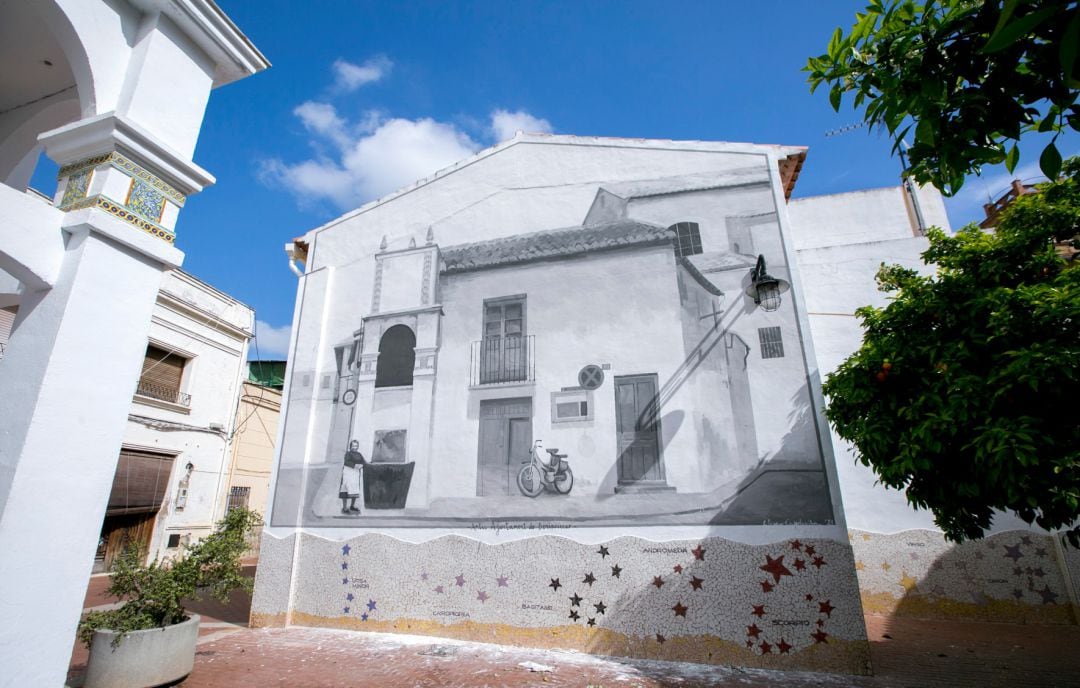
(238, 498)
(687, 238)
(772, 345)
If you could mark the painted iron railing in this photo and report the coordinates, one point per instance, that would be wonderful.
(499, 360)
(162, 393)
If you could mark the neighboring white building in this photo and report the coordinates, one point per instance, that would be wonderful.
(114, 93)
(172, 479)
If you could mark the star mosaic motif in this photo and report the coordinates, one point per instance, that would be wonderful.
(1048, 595)
(696, 582)
(603, 552)
(1018, 593)
(501, 581)
(481, 595)
(1013, 552)
(908, 582)
(423, 575)
(775, 567)
(1026, 540)
(1038, 572)
(600, 608)
(680, 609)
(819, 636)
(1040, 552)
(345, 550)
(440, 589)
(809, 597)
(753, 631)
(699, 553)
(766, 586)
(799, 564)
(554, 584)
(765, 647)
(796, 545)
(677, 568)
(658, 582)
(616, 570)
(859, 566)
(459, 580)
(364, 617)
(783, 647)
(818, 562)
(349, 597)
(826, 608)
(589, 578)
(809, 550)
(574, 615)
(885, 566)
(575, 601)
(591, 622)
(345, 610)
(371, 605)
(759, 610)
(660, 638)
(344, 566)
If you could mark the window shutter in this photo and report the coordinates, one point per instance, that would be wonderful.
(161, 374)
(140, 482)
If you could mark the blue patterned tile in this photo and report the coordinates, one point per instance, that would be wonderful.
(76, 187)
(145, 200)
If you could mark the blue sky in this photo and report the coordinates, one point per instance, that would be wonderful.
(364, 97)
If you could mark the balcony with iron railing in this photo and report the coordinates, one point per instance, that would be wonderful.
(502, 361)
(165, 393)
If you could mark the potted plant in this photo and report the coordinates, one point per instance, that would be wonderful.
(150, 639)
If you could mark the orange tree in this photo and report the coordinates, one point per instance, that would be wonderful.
(966, 78)
(965, 390)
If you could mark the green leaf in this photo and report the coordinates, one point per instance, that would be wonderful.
(1050, 162)
(834, 97)
(1007, 35)
(1068, 48)
(924, 131)
(834, 42)
(1011, 158)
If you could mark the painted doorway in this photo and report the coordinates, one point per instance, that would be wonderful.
(505, 442)
(637, 426)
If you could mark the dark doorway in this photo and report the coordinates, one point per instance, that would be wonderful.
(505, 441)
(637, 427)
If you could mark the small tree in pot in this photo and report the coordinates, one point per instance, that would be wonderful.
(152, 598)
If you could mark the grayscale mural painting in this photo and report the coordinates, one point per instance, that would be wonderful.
(598, 354)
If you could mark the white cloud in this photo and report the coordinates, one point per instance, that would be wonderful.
(323, 119)
(504, 124)
(273, 342)
(349, 77)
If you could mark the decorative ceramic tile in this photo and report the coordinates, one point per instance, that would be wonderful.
(124, 214)
(76, 187)
(145, 200)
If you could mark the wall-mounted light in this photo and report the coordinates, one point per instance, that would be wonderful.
(764, 288)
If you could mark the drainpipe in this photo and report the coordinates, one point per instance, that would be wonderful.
(290, 251)
(912, 191)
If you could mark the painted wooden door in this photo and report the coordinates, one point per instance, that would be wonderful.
(505, 441)
(637, 430)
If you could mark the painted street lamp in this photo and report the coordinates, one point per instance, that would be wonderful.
(764, 288)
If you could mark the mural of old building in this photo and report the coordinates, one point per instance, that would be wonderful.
(585, 363)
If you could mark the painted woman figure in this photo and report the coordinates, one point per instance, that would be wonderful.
(349, 490)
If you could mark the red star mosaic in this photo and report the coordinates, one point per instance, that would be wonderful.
(783, 646)
(819, 636)
(679, 609)
(775, 567)
(759, 610)
(699, 553)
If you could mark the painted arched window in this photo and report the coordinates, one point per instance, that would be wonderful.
(687, 238)
(397, 355)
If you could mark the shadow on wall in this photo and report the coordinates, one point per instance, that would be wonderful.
(1011, 577)
(791, 485)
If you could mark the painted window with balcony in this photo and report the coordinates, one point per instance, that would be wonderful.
(505, 352)
(397, 357)
(162, 375)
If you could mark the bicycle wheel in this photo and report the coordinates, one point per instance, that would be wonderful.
(564, 481)
(528, 481)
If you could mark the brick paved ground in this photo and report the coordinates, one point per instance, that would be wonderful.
(906, 653)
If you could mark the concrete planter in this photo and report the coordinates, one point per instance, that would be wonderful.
(143, 658)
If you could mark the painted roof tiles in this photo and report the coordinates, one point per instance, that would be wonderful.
(548, 244)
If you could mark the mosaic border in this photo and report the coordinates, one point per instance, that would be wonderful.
(124, 165)
(119, 211)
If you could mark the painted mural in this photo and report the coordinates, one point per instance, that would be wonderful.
(644, 366)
